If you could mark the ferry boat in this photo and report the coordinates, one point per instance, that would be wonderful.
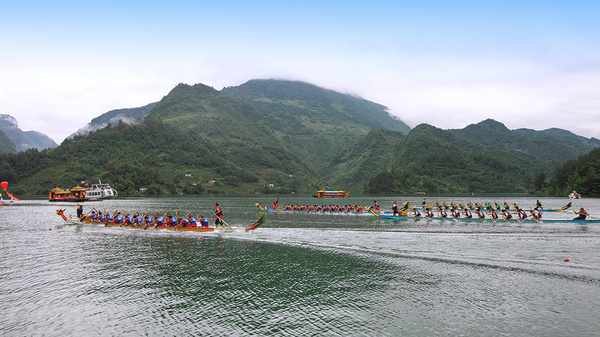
(100, 191)
(331, 194)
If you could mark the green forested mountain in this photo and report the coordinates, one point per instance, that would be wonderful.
(555, 132)
(223, 144)
(553, 146)
(6, 145)
(352, 168)
(432, 160)
(581, 175)
(24, 140)
(314, 123)
(279, 137)
(483, 157)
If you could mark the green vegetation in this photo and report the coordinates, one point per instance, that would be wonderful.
(194, 141)
(314, 123)
(484, 158)
(6, 144)
(269, 136)
(581, 175)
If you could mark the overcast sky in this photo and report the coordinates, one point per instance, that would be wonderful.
(527, 64)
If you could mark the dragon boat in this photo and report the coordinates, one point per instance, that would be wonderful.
(149, 226)
(383, 213)
(543, 210)
(482, 220)
(283, 210)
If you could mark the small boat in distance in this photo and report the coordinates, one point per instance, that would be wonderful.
(331, 194)
(100, 191)
(574, 195)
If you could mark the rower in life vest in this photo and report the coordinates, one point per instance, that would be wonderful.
(536, 214)
(219, 215)
(468, 213)
(443, 213)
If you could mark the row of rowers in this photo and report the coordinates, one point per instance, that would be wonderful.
(478, 205)
(468, 213)
(167, 219)
(320, 208)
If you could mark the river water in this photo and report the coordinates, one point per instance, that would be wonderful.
(298, 274)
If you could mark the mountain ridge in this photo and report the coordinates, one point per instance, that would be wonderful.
(24, 140)
(291, 137)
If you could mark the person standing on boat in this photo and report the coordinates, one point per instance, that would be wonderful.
(538, 204)
(376, 206)
(395, 208)
(219, 215)
(276, 203)
(582, 214)
(79, 211)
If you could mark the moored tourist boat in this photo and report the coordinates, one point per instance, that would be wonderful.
(75, 194)
(331, 194)
(100, 191)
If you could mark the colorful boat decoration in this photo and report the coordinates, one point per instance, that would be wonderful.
(76, 194)
(331, 194)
